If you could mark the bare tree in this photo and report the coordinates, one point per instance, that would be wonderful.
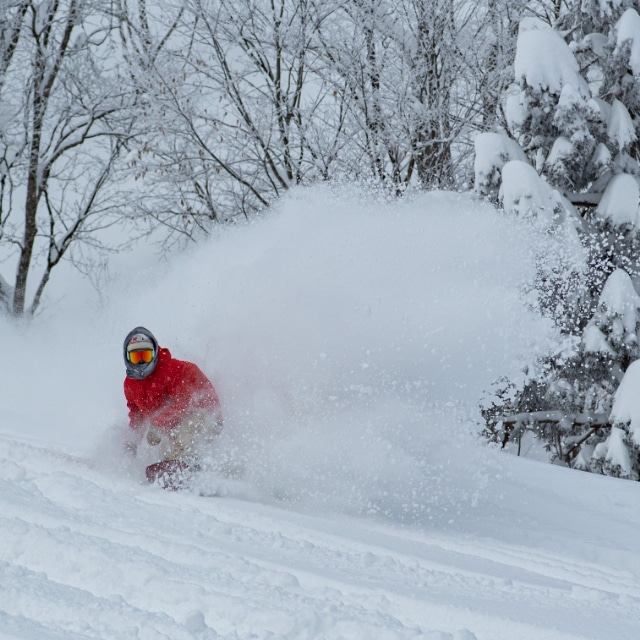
(13, 12)
(64, 129)
(411, 75)
(437, 66)
(247, 98)
(240, 110)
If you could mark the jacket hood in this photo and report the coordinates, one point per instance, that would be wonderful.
(139, 371)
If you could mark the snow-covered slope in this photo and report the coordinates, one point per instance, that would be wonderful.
(350, 341)
(551, 554)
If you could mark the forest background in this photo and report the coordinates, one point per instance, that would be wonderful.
(159, 122)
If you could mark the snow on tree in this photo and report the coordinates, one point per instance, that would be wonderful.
(619, 453)
(620, 201)
(544, 61)
(628, 34)
(524, 192)
(492, 152)
(620, 128)
(614, 325)
(626, 406)
(612, 458)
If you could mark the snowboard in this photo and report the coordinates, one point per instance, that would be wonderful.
(172, 475)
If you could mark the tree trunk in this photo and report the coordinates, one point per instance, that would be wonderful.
(31, 205)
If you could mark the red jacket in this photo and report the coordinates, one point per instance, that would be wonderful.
(170, 392)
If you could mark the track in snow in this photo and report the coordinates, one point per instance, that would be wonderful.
(85, 553)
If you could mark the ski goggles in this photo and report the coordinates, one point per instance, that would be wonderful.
(139, 357)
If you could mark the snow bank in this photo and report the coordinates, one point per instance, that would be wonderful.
(349, 339)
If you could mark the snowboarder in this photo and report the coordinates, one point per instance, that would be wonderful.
(172, 401)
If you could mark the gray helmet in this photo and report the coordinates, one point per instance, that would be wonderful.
(140, 338)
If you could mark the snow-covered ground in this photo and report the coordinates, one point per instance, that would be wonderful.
(350, 341)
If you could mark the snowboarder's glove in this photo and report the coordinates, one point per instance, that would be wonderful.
(153, 436)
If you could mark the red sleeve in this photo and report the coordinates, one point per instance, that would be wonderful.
(190, 390)
(136, 419)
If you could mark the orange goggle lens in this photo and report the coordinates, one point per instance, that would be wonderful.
(138, 357)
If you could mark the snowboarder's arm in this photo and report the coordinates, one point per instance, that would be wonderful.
(136, 421)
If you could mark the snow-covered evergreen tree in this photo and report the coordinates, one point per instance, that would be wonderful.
(547, 105)
(575, 100)
(605, 37)
(567, 398)
(574, 112)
